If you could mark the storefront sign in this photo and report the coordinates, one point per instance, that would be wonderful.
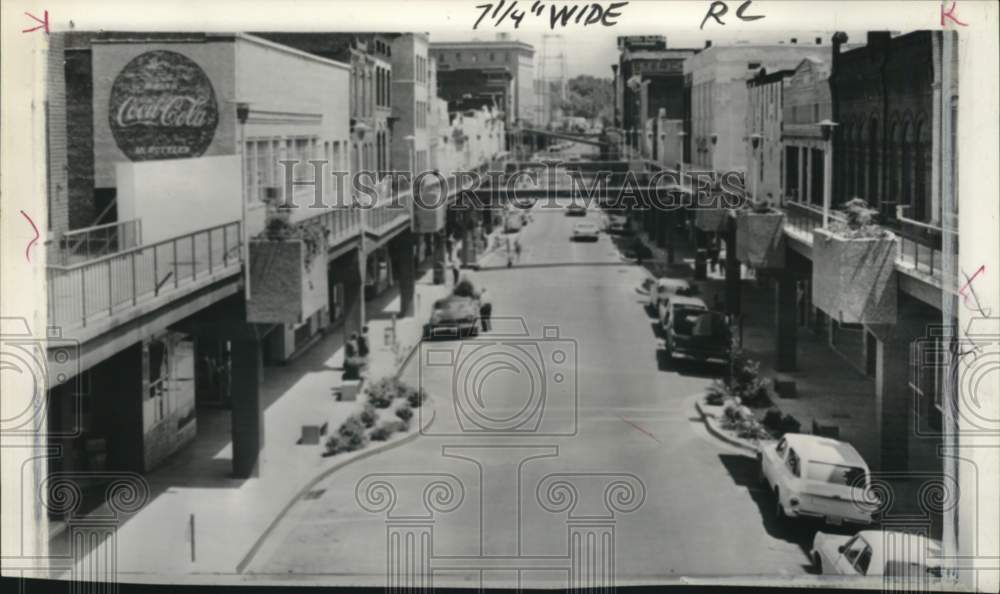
(162, 106)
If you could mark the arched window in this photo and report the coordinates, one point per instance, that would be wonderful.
(872, 191)
(920, 172)
(892, 164)
(906, 167)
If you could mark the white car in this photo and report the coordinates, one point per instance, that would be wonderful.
(585, 231)
(817, 477)
(888, 553)
(662, 288)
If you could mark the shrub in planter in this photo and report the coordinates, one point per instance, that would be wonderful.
(854, 280)
(760, 236)
(405, 413)
(751, 429)
(368, 416)
(352, 432)
(382, 392)
(717, 393)
(746, 382)
(790, 424)
(335, 445)
(772, 419)
(383, 431)
(416, 397)
(464, 288)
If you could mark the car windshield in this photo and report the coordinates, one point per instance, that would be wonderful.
(837, 474)
(685, 318)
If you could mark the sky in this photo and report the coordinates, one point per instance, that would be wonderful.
(593, 53)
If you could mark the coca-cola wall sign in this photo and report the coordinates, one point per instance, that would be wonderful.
(162, 106)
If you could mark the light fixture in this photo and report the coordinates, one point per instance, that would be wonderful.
(826, 127)
(754, 140)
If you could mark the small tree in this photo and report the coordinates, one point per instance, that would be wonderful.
(859, 221)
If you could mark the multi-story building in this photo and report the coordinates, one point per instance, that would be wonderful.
(516, 56)
(411, 100)
(884, 99)
(764, 116)
(806, 102)
(719, 96)
(370, 58)
(157, 127)
(649, 83)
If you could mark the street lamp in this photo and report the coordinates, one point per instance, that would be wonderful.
(826, 126)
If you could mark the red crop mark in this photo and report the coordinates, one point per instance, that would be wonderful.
(641, 429)
(44, 23)
(968, 282)
(950, 14)
(34, 240)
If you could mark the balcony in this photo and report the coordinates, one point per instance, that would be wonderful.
(920, 243)
(96, 294)
(80, 245)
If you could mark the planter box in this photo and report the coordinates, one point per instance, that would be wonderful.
(712, 219)
(283, 288)
(854, 280)
(760, 239)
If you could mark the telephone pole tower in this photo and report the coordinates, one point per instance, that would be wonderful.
(552, 73)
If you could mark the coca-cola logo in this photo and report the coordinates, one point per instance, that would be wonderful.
(162, 107)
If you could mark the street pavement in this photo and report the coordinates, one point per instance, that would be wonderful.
(702, 513)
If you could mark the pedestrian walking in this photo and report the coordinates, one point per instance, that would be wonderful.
(510, 255)
(713, 253)
(517, 249)
(455, 270)
(485, 310)
(363, 347)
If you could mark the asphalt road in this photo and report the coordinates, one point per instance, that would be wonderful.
(628, 418)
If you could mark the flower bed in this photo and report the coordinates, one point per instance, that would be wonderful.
(387, 408)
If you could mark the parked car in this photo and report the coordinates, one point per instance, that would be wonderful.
(662, 288)
(617, 224)
(886, 553)
(817, 477)
(585, 231)
(575, 209)
(454, 316)
(690, 330)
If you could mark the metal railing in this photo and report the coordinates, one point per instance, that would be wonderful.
(111, 284)
(79, 245)
(919, 243)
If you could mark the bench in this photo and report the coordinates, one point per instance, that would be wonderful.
(312, 433)
(784, 386)
(825, 428)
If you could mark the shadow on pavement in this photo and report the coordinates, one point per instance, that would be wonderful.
(744, 471)
(689, 367)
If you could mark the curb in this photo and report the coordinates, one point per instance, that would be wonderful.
(719, 434)
(363, 454)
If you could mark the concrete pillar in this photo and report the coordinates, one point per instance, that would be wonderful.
(248, 414)
(732, 273)
(893, 398)
(670, 219)
(803, 152)
(785, 314)
(440, 258)
(401, 253)
(354, 294)
(661, 225)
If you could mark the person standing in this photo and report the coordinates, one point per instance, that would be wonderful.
(455, 269)
(351, 367)
(517, 248)
(713, 253)
(485, 310)
(363, 347)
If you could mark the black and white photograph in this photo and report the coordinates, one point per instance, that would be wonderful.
(505, 295)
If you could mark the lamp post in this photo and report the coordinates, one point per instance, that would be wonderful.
(827, 126)
(754, 167)
(242, 115)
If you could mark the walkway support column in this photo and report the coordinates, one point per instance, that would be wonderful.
(248, 414)
(786, 323)
(403, 265)
(893, 398)
(354, 294)
(732, 272)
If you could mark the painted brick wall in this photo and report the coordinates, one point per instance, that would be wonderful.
(80, 140)
(55, 105)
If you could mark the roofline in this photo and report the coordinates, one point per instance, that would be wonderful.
(482, 44)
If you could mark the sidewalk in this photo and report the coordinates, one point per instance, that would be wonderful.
(829, 388)
(230, 515)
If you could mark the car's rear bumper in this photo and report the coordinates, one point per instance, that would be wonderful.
(700, 354)
(450, 329)
(829, 518)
